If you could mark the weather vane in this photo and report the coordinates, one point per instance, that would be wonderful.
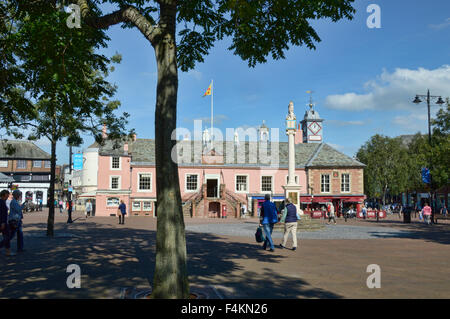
(311, 104)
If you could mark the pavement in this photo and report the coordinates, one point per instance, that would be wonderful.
(224, 261)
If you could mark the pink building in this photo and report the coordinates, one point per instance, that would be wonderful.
(218, 182)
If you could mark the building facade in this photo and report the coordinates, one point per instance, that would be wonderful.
(29, 166)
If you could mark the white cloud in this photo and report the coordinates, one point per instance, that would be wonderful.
(440, 26)
(195, 74)
(346, 123)
(218, 119)
(394, 90)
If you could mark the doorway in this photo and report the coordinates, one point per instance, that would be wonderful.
(212, 188)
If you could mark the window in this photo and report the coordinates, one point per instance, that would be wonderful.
(147, 206)
(3, 163)
(37, 164)
(191, 182)
(145, 182)
(325, 184)
(241, 183)
(21, 164)
(345, 183)
(40, 178)
(25, 178)
(266, 183)
(112, 201)
(115, 162)
(47, 164)
(136, 206)
(115, 182)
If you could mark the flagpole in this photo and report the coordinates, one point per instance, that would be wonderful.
(212, 120)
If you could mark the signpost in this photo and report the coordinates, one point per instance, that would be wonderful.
(78, 161)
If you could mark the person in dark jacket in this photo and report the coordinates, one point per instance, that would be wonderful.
(122, 211)
(4, 194)
(269, 217)
(290, 225)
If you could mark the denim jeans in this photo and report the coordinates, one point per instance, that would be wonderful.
(19, 236)
(268, 229)
(6, 235)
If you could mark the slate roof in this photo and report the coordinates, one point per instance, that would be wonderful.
(142, 152)
(23, 150)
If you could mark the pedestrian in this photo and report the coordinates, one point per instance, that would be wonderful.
(60, 206)
(331, 215)
(324, 212)
(122, 211)
(88, 208)
(40, 204)
(364, 212)
(269, 217)
(4, 228)
(290, 224)
(15, 220)
(444, 210)
(426, 212)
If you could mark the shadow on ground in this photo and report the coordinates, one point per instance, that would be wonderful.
(112, 258)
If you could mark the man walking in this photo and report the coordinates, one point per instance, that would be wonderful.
(269, 217)
(15, 219)
(290, 225)
(4, 194)
(88, 208)
(122, 211)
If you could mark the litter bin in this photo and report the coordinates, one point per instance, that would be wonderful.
(407, 215)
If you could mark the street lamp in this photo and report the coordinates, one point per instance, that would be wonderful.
(439, 101)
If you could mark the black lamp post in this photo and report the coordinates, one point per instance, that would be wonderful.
(439, 101)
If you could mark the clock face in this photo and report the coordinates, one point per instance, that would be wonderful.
(314, 128)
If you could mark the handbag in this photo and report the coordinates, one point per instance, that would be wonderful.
(259, 235)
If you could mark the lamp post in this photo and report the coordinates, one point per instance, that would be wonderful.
(439, 102)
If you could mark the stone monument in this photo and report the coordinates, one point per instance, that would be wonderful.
(292, 189)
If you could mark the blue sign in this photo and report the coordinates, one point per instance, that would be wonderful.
(426, 177)
(77, 161)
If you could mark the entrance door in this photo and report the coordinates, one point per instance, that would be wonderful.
(211, 188)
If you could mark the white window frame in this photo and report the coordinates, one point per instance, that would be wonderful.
(47, 164)
(111, 163)
(118, 202)
(135, 209)
(329, 184)
(146, 209)
(2, 163)
(297, 178)
(272, 184)
(247, 182)
(185, 183)
(119, 182)
(139, 182)
(37, 166)
(349, 183)
(20, 161)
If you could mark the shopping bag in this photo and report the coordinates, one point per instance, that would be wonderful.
(259, 235)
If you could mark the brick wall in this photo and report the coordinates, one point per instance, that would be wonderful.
(356, 180)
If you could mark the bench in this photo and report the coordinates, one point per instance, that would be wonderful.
(440, 216)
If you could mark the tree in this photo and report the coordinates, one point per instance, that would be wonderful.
(257, 29)
(64, 82)
(387, 166)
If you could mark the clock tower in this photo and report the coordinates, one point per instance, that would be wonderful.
(312, 125)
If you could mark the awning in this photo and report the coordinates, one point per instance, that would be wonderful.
(88, 195)
(5, 178)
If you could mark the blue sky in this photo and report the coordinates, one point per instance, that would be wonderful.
(364, 79)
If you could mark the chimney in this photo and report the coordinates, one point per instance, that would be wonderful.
(134, 137)
(125, 148)
(104, 134)
(298, 135)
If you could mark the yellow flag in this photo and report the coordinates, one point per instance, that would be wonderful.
(208, 91)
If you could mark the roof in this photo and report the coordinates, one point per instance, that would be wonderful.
(23, 150)
(5, 178)
(246, 154)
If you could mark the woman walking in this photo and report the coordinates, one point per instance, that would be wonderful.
(290, 225)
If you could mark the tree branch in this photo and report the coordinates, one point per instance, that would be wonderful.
(128, 14)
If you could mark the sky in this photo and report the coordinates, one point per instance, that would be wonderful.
(364, 79)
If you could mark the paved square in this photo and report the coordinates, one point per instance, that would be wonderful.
(226, 262)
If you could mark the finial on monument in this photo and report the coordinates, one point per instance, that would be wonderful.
(291, 115)
(311, 104)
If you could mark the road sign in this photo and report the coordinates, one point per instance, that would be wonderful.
(78, 161)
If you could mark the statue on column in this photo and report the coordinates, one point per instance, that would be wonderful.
(291, 115)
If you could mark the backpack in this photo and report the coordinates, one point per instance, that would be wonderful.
(259, 235)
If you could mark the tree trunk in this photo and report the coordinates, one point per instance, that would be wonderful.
(170, 278)
(51, 207)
